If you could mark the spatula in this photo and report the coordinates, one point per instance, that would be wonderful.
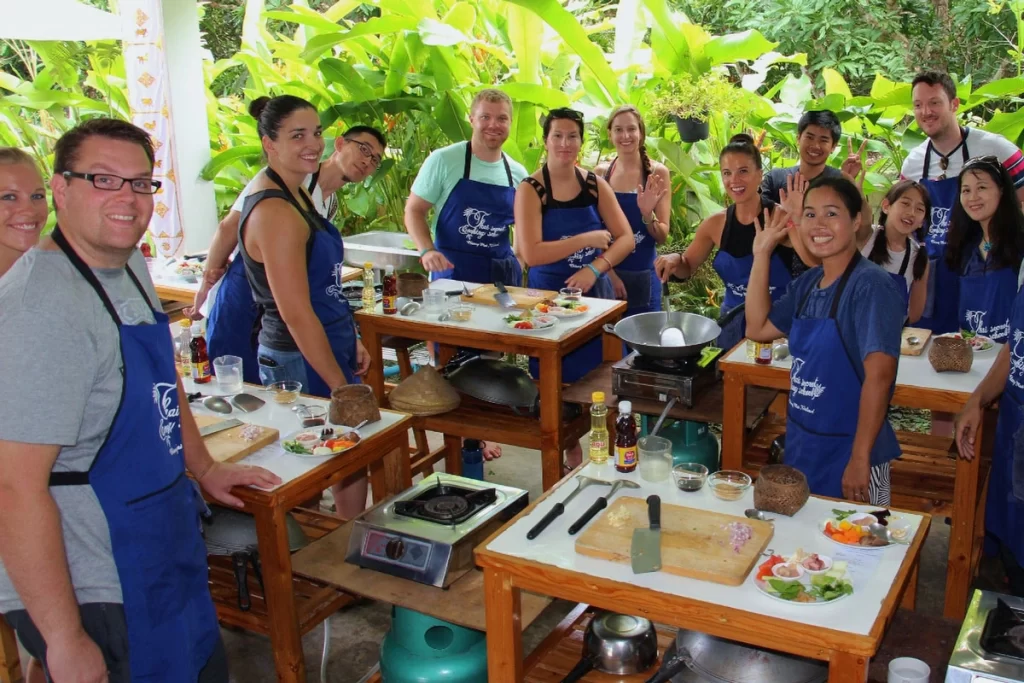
(645, 551)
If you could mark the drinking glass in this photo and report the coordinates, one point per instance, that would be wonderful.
(228, 370)
(655, 458)
(434, 300)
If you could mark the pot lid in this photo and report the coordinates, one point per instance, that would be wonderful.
(495, 381)
(725, 661)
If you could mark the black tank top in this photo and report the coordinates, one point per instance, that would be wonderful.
(273, 332)
(587, 195)
(738, 239)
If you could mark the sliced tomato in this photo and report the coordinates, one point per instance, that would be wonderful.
(524, 326)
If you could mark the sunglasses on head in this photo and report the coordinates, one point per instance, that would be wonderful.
(989, 161)
(565, 113)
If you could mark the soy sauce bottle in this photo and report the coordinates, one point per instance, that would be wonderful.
(625, 439)
(200, 358)
(390, 292)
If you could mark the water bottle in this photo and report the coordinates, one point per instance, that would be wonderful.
(598, 429)
(473, 459)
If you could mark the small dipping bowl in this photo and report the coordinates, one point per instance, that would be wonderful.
(285, 392)
(824, 558)
(312, 416)
(786, 567)
(729, 484)
(862, 519)
(570, 293)
(689, 476)
(461, 313)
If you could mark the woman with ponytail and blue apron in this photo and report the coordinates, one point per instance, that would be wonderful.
(844, 320)
(984, 248)
(293, 261)
(896, 243)
(732, 232)
(643, 190)
(571, 233)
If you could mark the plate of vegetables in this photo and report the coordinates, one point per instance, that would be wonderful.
(526, 321)
(562, 308)
(313, 443)
(803, 578)
(978, 342)
(853, 528)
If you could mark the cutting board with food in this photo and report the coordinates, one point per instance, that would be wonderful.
(696, 543)
(235, 443)
(919, 336)
(524, 298)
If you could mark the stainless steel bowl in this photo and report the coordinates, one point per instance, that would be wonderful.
(381, 249)
(617, 644)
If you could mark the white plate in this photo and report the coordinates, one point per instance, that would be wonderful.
(806, 581)
(987, 344)
(337, 430)
(821, 528)
(540, 323)
(560, 312)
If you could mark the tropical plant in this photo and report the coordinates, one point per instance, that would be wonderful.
(686, 97)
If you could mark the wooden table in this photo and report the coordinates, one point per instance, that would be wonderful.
(548, 565)
(917, 386)
(487, 331)
(170, 287)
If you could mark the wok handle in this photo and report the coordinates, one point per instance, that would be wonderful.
(239, 560)
(540, 526)
(598, 505)
(610, 329)
(579, 671)
(671, 666)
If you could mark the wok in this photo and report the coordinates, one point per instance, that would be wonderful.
(642, 333)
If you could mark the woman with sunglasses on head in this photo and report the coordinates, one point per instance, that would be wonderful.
(896, 243)
(571, 232)
(643, 190)
(843, 319)
(293, 258)
(984, 248)
(232, 315)
(732, 232)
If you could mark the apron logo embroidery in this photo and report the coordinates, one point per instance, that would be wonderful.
(1017, 360)
(576, 260)
(741, 290)
(939, 225)
(335, 290)
(476, 229)
(638, 237)
(812, 389)
(170, 414)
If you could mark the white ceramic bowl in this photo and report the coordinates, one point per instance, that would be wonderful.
(824, 558)
(789, 579)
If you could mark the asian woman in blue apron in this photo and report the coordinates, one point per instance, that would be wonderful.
(646, 204)
(905, 208)
(985, 247)
(570, 242)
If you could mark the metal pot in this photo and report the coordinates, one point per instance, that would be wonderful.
(642, 333)
(699, 658)
(616, 644)
(495, 381)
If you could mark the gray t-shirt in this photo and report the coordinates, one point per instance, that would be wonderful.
(57, 336)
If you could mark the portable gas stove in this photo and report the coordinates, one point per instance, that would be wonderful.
(655, 379)
(427, 533)
(990, 648)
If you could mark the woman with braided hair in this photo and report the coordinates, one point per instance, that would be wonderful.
(643, 190)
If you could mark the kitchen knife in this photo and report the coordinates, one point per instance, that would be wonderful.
(503, 298)
(645, 551)
(221, 426)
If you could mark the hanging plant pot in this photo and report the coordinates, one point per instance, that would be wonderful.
(691, 130)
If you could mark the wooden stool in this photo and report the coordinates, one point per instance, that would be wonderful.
(421, 457)
(10, 666)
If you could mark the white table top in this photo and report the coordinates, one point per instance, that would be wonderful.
(163, 275)
(912, 371)
(872, 572)
(491, 318)
(286, 465)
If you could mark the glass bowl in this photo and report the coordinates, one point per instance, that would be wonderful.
(285, 392)
(729, 484)
(689, 476)
(311, 416)
(461, 313)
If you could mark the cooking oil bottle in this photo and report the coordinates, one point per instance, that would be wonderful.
(598, 429)
(369, 293)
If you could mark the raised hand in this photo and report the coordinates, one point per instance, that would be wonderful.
(853, 167)
(791, 197)
(647, 198)
(776, 227)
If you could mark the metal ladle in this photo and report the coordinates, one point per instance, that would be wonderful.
(600, 504)
(758, 514)
(582, 482)
(913, 341)
(217, 404)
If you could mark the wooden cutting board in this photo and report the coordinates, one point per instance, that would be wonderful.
(229, 446)
(694, 543)
(524, 298)
(915, 350)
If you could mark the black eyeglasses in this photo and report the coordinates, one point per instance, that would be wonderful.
(113, 183)
(565, 113)
(367, 152)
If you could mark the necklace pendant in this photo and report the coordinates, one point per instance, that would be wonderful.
(986, 247)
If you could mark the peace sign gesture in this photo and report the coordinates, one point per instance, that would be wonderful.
(776, 227)
(853, 168)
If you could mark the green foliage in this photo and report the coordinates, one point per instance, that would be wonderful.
(696, 98)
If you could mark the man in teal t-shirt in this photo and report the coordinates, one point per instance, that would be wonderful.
(472, 186)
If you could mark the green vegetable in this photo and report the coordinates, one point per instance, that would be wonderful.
(826, 588)
(840, 515)
(787, 590)
(296, 447)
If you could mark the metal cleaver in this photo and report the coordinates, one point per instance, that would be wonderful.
(645, 551)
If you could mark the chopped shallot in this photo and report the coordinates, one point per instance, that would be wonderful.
(739, 534)
(251, 432)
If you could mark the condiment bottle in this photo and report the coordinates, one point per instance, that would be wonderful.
(200, 358)
(390, 290)
(598, 429)
(625, 439)
(185, 351)
(763, 353)
(369, 293)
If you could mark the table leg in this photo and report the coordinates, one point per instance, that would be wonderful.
(504, 633)
(277, 582)
(909, 601)
(961, 533)
(10, 665)
(375, 376)
(844, 667)
(453, 454)
(398, 467)
(734, 411)
(550, 418)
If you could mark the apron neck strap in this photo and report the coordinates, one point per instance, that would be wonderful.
(306, 212)
(644, 175)
(469, 164)
(928, 153)
(906, 258)
(842, 283)
(90, 277)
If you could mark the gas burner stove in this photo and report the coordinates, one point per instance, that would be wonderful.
(427, 533)
(656, 379)
(990, 648)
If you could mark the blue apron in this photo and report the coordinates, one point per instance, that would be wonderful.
(150, 506)
(561, 223)
(940, 315)
(473, 230)
(234, 317)
(1004, 508)
(824, 401)
(986, 301)
(643, 288)
(901, 278)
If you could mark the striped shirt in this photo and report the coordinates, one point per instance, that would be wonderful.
(979, 143)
